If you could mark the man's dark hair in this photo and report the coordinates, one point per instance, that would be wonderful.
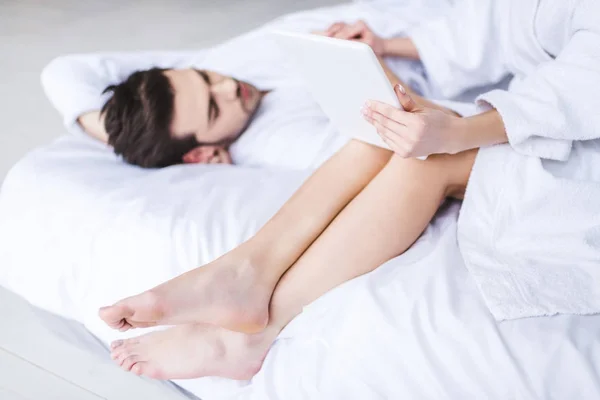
(138, 119)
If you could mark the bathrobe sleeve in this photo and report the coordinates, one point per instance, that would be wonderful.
(74, 83)
(460, 50)
(557, 103)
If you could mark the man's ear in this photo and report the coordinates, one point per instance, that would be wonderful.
(199, 155)
(206, 154)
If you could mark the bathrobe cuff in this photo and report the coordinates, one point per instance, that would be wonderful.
(520, 130)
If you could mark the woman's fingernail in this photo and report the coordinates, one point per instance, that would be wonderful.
(401, 88)
(367, 104)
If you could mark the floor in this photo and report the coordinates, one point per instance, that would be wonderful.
(35, 365)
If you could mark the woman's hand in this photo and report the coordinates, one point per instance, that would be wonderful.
(417, 130)
(358, 31)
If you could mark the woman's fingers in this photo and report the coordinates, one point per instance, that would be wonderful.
(335, 28)
(393, 146)
(384, 120)
(404, 98)
(400, 116)
(350, 31)
(391, 132)
(343, 33)
(395, 141)
(356, 31)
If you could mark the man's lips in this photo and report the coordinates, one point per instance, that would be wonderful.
(244, 91)
(245, 96)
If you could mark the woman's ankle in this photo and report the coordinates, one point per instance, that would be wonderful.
(255, 258)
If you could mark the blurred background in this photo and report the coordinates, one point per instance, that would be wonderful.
(33, 32)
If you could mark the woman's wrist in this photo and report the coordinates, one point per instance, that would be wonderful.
(385, 46)
(400, 47)
(485, 129)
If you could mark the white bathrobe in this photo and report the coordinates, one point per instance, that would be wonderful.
(529, 228)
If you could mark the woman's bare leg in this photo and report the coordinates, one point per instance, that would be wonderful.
(380, 223)
(234, 291)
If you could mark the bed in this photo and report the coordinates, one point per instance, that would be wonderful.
(84, 230)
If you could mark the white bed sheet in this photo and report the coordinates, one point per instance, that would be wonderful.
(79, 230)
(415, 328)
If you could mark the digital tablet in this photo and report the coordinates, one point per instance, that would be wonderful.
(341, 75)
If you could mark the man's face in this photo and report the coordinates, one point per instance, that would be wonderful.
(213, 108)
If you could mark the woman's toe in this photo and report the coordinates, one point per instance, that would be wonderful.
(129, 362)
(116, 353)
(115, 316)
(138, 368)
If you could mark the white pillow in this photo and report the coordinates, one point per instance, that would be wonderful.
(72, 210)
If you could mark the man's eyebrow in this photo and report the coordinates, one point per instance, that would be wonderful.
(204, 76)
(213, 108)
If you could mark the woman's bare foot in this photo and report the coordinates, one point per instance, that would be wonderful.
(194, 351)
(227, 292)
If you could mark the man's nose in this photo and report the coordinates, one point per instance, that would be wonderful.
(226, 89)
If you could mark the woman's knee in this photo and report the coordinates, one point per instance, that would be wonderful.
(448, 171)
(365, 149)
(364, 155)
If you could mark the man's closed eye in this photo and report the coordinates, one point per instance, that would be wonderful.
(213, 110)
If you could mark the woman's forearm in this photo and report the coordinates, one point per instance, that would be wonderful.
(401, 47)
(477, 131)
(485, 129)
